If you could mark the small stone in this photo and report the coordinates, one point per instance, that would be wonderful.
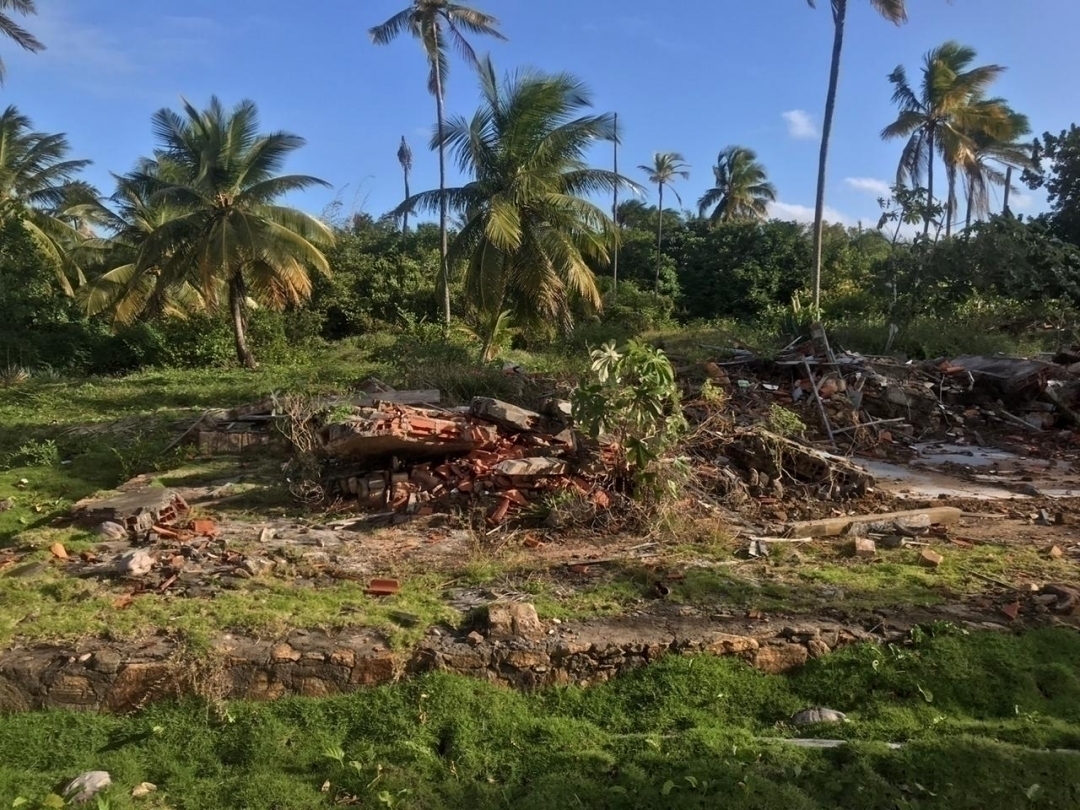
(1044, 518)
(58, 551)
(111, 530)
(930, 559)
(107, 661)
(28, 570)
(811, 717)
(475, 639)
(818, 648)
(143, 789)
(1056, 552)
(137, 563)
(508, 620)
(779, 659)
(87, 785)
(257, 566)
(864, 548)
(284, 652)
(7, 504)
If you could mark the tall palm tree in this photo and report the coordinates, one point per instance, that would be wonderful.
(530, 227)
(742, 189)
(895, 11)
(217, 176)
(664, 170)
(426, 20)
(404, 156)
(15, 32)
(942, 116)
(39, 181)
(991, 161)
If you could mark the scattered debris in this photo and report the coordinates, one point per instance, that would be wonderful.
(137, 511)
(508, 620)
(137, 563)
(111, 530)
(864, 547)
(868, 524)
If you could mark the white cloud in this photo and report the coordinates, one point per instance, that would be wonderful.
(870, 185)
(805, 214)
(800, 125)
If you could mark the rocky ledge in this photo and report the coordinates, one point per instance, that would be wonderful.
(513, 647)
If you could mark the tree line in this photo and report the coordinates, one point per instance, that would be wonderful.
(198, 226)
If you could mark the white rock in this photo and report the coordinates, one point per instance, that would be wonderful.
(810, 717)
(143, 789)
(87, 785)
(137, 563)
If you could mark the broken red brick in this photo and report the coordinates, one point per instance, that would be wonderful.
(383, 587)
(498, 514)
(204, 527)
(58, 551)
(1012, 610)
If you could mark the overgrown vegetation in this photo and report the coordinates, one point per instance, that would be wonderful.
(685, 733)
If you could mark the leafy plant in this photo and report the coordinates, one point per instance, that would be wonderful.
(784, 422)
(635, 401)
(37, 454)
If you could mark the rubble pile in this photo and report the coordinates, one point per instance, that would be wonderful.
(401, 459)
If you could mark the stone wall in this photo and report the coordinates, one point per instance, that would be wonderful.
(515, 649)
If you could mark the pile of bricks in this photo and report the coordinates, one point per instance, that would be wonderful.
(402, 459)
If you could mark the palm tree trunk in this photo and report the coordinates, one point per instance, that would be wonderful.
(615, 219)
(950, 172)
(970, 206)
(444, 244)
(659, 237)
(839, 21)
(1008, 188)
(405, 216)
(238, 310)
(929, 180)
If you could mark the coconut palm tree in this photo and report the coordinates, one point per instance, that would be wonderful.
(404, 156)
(664, 170)
(39, 181)
(217, 180)
(118, 283)
(991, 162)
(15, 32)
(894, 11)
(530, 227)
(742, 189)
(437, 24)
(941, 118)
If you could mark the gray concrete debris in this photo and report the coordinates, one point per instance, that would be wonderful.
(531, 467)
(111, 530)
(508, 620)
(137, 563)
(510, 417)
(810, 717)
(257, 566)
(85, 786)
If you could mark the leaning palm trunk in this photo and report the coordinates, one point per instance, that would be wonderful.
(238, 310)
(840, 17)
(929, 180)
(1008, 188)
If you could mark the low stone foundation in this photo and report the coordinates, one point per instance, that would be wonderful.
(103, 676)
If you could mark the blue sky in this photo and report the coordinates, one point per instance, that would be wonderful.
(684, 75)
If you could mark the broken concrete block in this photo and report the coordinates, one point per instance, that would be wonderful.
(864, 547)
(391, 430)
(559, 409)
(257, 566)
(530, 467)
(510, 417)
(930, 559)
(137, 511)
(886, 523)
(137, 563)
(507, 620)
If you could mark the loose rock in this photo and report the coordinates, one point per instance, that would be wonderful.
(864, 548)
(930, 559)
(257, 566)
(6, 504)
(811, 717)
(143, 789)
(508, 620)
(111, 530)
(85, 786)
(137, 563)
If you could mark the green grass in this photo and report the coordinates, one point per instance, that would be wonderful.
(685, 733)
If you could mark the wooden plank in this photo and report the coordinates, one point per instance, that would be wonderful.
(834, 527)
